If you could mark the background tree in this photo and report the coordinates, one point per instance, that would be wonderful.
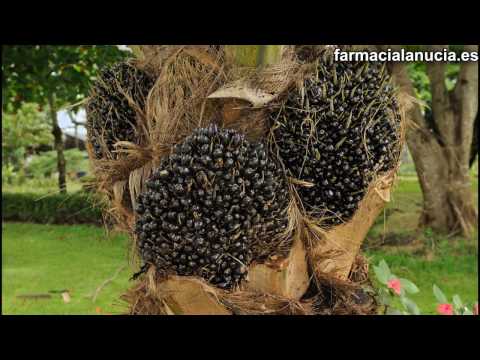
(440, 141)
(23, 130)
(474, 148)
(53, 77)
(421, 83)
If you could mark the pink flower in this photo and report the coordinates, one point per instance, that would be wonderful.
(395, 285)
(445, 309)
(475, 309)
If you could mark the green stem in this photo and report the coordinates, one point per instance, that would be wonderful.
(254, 55)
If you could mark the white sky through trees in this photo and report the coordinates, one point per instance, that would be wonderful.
(68, 127)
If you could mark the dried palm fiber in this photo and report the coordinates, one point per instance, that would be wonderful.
(344, 297)
(308, 53)
(328, 295)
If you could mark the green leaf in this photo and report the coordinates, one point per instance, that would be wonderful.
(60, 70)
(380, 274)
(467, 311)
(383, 265)
(457, 301)
(392, 276)
(411, 307)
(391, 311)
(409, 286)
(439, 295)
(384, 297)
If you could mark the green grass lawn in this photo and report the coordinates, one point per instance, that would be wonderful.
(40, 258)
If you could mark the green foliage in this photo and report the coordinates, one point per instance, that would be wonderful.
(439, 295)
(382, 272)
(39, 185)
(26, 128)
(51, 75)
(451, 75)
(12, 176)
(393, 292)
(457, 305)
(409, 286)
(421, 82)
(45, 164)
(8, 174)
(75, 208)
(35, 73)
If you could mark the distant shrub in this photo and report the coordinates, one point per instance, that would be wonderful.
(8, 174)
(73, 208)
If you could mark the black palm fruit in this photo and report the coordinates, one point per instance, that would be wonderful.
(211, 207)
(337, 132)
(110, 114)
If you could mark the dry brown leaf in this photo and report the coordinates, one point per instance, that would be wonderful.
(66, 297)
(240, 90)
(300, 182)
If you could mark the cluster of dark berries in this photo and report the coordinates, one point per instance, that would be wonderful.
(110, 115)
(336, 133)
(208, 204)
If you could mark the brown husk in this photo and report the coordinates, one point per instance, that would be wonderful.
(331, 297)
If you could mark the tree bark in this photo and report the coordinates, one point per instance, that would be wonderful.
(58, 142)
(443, 166)
(474, 148)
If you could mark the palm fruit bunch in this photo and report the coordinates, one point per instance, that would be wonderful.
(336, 133)
(110, 115)
(209, 205)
